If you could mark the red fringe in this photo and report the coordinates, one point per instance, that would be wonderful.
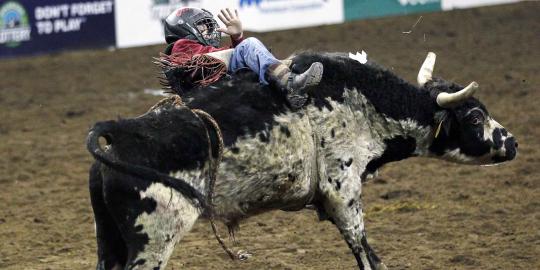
(204, 69)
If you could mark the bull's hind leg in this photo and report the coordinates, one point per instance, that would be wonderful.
(155, 219)
(345, 211)
(111, 248)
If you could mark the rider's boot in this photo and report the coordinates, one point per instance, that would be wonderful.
(295, 84)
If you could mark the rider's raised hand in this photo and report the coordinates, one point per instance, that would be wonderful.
(232, 23)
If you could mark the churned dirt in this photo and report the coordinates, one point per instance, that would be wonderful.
(421, 214)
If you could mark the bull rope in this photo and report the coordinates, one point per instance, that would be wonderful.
(212, 175)
(176, 100)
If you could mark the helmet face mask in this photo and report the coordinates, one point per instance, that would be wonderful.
(192, 23)
(207, 27)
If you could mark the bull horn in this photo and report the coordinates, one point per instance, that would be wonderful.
(426, 71)
(449, 100)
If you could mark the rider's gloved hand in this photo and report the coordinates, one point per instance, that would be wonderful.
(232, 23)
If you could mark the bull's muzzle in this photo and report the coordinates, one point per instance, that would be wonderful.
(510, 146)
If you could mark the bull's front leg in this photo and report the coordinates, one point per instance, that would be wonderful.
(342, 205)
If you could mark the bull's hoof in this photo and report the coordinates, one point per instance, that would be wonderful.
(381, 266)
(243, 255)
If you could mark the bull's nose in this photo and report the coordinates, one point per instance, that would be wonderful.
(511, 146)
(516, 144)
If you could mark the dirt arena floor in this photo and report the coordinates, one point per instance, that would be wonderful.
(421, 214)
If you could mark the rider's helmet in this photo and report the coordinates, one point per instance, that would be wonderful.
(192, 23)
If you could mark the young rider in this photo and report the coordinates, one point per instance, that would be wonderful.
(195, 31)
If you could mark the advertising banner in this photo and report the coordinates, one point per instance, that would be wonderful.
(269, 15)
(451, 4)
(140, 22)
(35, 26)
(360, 9)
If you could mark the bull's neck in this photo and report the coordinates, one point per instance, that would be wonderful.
(401, 116)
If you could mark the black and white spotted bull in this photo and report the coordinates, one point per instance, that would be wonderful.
(149, 183)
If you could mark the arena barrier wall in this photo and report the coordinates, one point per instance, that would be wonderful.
(30, 27)
(140, 23)
(37, 26)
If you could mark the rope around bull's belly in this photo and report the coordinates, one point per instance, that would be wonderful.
(213, 170)
(212, 176)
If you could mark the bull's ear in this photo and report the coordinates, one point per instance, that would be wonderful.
(443, 123)
(447, 124)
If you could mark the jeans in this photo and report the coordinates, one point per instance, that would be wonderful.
(252, 54)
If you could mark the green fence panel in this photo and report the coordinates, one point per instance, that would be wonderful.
(360, 9)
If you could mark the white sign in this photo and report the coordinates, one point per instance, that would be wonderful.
(138, 23)
(451, 4)
(269, 15)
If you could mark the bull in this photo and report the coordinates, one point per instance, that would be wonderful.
(149, 183)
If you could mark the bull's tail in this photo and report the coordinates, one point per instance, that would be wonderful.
(105, 130)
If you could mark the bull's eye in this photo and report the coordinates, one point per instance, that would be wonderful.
(475, 117)
(476, 121)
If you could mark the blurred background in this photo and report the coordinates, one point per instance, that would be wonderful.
(65, 65)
